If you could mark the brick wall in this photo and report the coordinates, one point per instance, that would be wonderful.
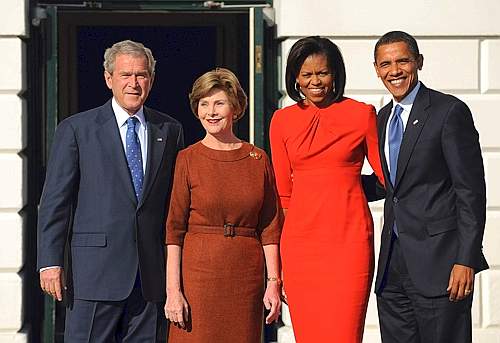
(460, 41)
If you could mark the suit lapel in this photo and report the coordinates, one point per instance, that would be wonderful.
(108, 135)
(384, 117)
(416, 122)
(157, 138)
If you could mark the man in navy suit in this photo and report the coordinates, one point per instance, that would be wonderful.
(435, 204)
(105, 197)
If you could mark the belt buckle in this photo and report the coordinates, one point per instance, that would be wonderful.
(229, 230)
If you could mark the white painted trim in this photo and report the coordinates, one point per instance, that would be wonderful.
(251, 79)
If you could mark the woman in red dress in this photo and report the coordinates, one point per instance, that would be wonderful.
(318, 149)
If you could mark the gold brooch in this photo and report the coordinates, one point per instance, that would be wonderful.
(255, 155)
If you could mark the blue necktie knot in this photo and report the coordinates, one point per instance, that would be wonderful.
(132, 123)
(134, 155)
(398, 109)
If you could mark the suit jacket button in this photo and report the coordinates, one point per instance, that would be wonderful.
(395, 200)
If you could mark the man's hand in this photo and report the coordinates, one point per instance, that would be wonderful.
(461, 282)
(52, 282)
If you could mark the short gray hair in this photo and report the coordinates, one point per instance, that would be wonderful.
(128, 47)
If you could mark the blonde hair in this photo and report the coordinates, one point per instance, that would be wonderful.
(225, 80)
(128, 47)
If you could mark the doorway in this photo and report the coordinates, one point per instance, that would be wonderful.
(185, 45)
(67, 77)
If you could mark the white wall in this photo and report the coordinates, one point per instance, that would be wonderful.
(12, 167)
(460, 41)
(355, 18)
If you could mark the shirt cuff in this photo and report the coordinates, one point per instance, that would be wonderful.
(49, 267)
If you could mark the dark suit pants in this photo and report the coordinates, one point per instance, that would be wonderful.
(409, 317)
(132, 320)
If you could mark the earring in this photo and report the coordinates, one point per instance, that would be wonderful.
(297, 87)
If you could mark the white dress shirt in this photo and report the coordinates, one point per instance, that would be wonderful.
(406, 104)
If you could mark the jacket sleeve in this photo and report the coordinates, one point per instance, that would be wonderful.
(462, 152)
(58, 197)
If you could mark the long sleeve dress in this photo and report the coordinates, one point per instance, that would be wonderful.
(223, 209)
(327, 240)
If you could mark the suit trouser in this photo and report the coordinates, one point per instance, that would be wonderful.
(409, 317)
(132, 320)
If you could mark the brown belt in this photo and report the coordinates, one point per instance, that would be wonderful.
(228, 230)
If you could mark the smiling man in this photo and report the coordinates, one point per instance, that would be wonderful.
(105, 197)
(435, 204)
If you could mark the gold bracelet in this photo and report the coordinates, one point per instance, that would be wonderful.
(274, 279)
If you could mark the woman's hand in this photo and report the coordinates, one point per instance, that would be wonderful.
(272, 300)
(177, 308)
(284, 298)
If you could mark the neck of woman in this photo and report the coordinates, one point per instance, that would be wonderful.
(222, 142)
(327, 101)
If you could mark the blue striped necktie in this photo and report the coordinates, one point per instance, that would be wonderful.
(134, 156)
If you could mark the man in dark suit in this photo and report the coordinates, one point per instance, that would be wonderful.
(105, 197)
(435, 204)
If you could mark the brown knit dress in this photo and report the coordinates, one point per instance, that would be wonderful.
(223, 209)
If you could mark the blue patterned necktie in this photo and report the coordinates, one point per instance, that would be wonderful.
(134, 156)
(395, 137)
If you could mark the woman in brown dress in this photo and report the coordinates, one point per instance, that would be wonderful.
(223, 226)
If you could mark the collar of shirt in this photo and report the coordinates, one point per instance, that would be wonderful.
(406, 104)
(142, 133)
(121, 115)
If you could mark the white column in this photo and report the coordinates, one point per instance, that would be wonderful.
(13, 18)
